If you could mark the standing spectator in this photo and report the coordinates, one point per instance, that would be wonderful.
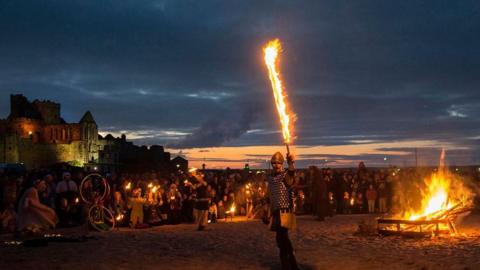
(371, 195)
(66, 196)
(359, 203)
(382, 198)
(50, 191)
(212, 213)
(136, 203)
(221, 210)
(202, 203)
(174, 199)
(346, 203)
(119, 208)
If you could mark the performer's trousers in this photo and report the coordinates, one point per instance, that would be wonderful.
(202, 217)
(287, 257)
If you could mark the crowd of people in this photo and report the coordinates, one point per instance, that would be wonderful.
(137, 200)
(46, 198)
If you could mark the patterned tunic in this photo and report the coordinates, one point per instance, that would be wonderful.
(280, 196)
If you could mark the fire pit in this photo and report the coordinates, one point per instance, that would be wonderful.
(441, 222)
(443, 198)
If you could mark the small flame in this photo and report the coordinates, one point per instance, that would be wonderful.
(192, 170)
(128, 186)
(119, 217)
(232, 210)
(271, 51)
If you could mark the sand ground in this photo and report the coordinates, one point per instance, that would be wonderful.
(249, 245)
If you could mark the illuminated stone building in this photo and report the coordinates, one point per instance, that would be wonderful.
(35, 134)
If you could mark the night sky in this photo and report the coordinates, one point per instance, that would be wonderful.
(368, 80)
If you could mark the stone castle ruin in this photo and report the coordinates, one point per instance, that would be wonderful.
(35, 134)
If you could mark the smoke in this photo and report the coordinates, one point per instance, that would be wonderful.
(219, 129)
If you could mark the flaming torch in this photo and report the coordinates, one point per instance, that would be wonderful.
(271, 51)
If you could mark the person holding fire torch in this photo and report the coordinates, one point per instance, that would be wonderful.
(202, 203)
(282, 217)
(281, 183)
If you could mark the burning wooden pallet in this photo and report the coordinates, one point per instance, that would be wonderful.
(437, 223)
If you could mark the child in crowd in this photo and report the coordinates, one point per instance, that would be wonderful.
(136, 203)
(212, 213)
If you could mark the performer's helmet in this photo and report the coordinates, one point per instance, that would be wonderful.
(277, 157)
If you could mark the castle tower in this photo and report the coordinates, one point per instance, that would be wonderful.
(20, 107)
(89, 136)
(49, 111)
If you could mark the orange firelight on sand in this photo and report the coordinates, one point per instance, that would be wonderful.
(271, 51)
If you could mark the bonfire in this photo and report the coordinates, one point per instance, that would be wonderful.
(444, 198)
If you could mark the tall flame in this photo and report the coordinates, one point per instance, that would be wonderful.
(443, 192)
(271, 51)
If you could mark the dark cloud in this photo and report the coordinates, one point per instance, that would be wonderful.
(219, 129)
(355, 71)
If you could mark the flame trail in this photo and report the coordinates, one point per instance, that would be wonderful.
(271, 51)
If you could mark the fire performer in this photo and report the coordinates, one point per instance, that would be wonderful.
(202, 202)
(280, 189)
(281, 182)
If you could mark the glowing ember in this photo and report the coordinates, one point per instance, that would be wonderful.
(271, 51)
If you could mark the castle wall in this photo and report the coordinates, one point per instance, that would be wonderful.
(49, 111)
(26, 128)
(64, 133)
(36, 155)
(12, 154)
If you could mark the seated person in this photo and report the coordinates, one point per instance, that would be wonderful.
(32, 214)
(8, 219)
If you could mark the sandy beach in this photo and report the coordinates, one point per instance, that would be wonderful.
(249, 245)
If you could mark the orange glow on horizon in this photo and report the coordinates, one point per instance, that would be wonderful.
(259, 156)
